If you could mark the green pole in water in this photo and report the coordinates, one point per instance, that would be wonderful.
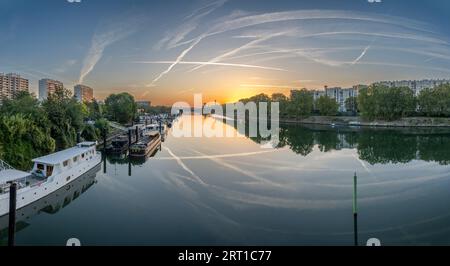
(355, 210)
(355, 206)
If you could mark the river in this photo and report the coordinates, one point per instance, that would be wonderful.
(231, 191)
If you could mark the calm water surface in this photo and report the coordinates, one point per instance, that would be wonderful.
(230, 191)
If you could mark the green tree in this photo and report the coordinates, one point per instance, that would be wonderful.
(22, 139)
(301, 103)
(90, 133)
(153, 110)
(262, 97)
(66, 117)
(327, 106)
(283, 101)
(435, 102)
(102, 126)
(121, 107)
(24, 103)
(94, 110)
(382, 102)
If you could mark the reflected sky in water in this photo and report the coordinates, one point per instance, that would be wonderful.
(222, 191)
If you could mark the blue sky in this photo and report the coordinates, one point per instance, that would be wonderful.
(166, 50)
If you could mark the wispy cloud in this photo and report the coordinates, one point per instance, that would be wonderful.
(65, 66)
(172, 40)
(431, 68)
(210, 64)
(242, 48)
(265, 18)
(394, 35)
(184, 91)
(268, 86)
(191, 22)
(254, 20)
(113, 33)
(174, 63)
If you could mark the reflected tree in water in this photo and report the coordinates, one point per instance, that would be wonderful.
(375, 146)
(435, 148)
(386, 147)
(299, 139)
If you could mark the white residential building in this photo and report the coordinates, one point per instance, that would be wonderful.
(416, 85)
(83, 93)
(11, 84)
(47, 87)
(339, 94)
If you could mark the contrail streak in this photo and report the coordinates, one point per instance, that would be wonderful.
(193, 20)
(254, 20)
(267, 86)
(250, 174)
(232, 155)
(178, 60)
(446, 70)
(361, 55)
(180, 163)
(100, 41)
(173, 63)
(239, 49)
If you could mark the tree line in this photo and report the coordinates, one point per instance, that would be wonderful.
(30, 128)
(300, 104)
(373, 102)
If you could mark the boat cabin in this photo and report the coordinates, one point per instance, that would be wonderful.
(8, 176)
(155, 127)
(56, 163)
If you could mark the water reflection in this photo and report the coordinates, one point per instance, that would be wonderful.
(375, 146)
(50, 204)
(230, 191)
(134, 161)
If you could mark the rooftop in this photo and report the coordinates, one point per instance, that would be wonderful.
(64, 155)
(11, 175)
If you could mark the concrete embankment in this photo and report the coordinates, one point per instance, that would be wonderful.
(358, 121)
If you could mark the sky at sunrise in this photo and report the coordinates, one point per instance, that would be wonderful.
(165, 51)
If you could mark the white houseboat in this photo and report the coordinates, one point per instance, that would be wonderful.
(161, 128)
(49, 174)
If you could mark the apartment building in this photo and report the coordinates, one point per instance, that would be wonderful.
(83, 93)
(11, 84)
(416, 85)
(47, 87)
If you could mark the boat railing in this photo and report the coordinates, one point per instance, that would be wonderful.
(5, 166)
(4, 188)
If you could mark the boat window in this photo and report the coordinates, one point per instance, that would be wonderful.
(66, 163)
(82, 155)
(40, 166)
(49, 170)
(75, 159)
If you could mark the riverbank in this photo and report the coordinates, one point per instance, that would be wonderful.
(358, 121)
